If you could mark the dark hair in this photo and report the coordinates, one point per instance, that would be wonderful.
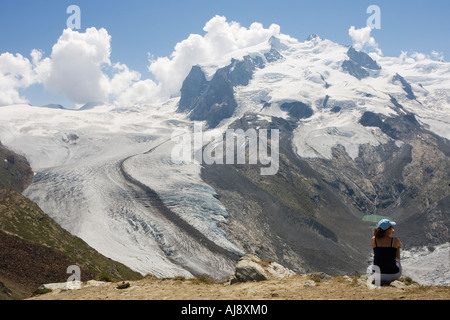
(379, 233)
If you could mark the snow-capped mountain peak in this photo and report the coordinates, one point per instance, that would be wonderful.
(326, 75)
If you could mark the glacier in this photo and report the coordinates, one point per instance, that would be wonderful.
(427, 266)
(76, 156)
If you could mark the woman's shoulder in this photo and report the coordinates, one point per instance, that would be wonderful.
(397, 243)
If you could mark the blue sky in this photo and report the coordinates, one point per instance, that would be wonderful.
(139, 27)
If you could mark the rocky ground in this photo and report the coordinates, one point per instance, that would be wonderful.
(253, 279)
(315, 286)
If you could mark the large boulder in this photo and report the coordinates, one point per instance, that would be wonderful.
(252, 268)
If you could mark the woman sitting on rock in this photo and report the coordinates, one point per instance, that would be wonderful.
(386, 250)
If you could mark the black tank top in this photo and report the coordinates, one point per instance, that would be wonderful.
(384, 258)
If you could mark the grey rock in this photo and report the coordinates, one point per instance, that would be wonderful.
(273, 55)
(297, 109)
(252, 268)
(309, 284)
(398, 284)
(193, 86)
(406, 86)
(355, 69)
(359, 64)
(212, 101)
(362, 59)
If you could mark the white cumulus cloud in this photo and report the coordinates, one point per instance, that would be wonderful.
(16, 72)
(80, 68)
(363, 40)
(76, 65)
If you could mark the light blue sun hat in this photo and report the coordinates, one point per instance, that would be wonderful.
(386, 224)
